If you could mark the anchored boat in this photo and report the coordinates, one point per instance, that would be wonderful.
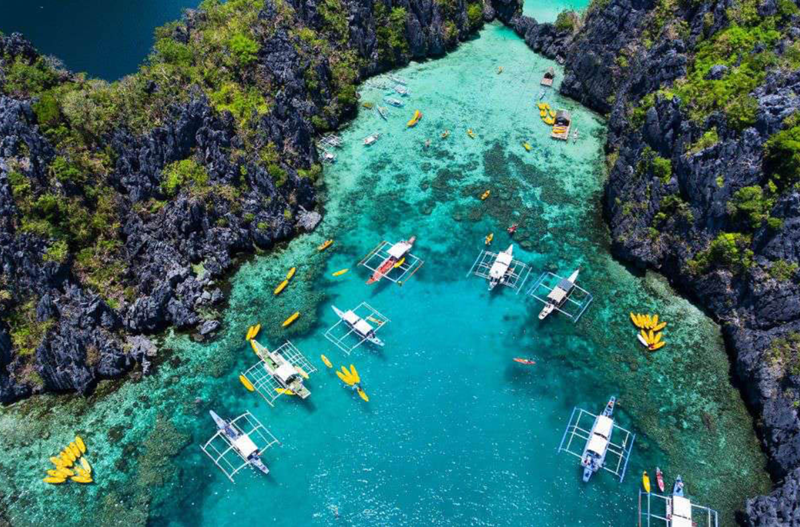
(498, 271)
(370, 139)
(394, 102)
(241, 443)
(402, 90)
(558, 296)
(396, 253)
(383, 111)
(594, 454)
(290, 376)
(360, 326)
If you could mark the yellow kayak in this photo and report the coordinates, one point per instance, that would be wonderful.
(284, 391)
(646, 482)
(542, 105)
(363, 395)
(550, 121)
(256, 329)
(67, 454)
(414, 120)
(81, 479)
(546, 106)
(325, 245)
(489, 238)
(65, 460)
(543, 113)
(400, 262)
(648, 321)
(86, 466)
(527, 146)
(54, 480)
(54, 473)
(281, 287)
(634, 320)
(552, 114)
(658, 345)
(660, 326)
(81, 444)
(340, 273)
(64, 472)
(246, 383)
(654, 322)
(74, 449)
(486, 195)
(325, 361)
(471, 133)
(58, 462)
(288, 322)
(291, 272)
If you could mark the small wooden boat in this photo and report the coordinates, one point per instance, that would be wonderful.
(660, 479)
(291, 272)
(486, 195)
(341, 272)
(325, 245)
(371, 139)
(445, 134)
(527, 146)
(470, 133)
(289, 321)
(677, 489)
(529, 362)
(489, 238)
(280, 288)
(396, 257)
(646, 482)
(414, 120)
(368, 105)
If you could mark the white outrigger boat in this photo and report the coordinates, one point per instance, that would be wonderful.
(395, 254)
(402, 90)
(289, 376)
(679, 508)
(383, 111)
(238, 444)
(498, 271)
(361, 327)
(371, 139)
(558, 296)
(594, 454)
(398, 80)
(394, 102)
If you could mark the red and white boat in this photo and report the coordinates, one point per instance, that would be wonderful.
(660, 479)
(397, 253)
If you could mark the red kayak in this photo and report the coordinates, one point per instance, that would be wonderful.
(529, 362)
(660, 479)
(512, 229)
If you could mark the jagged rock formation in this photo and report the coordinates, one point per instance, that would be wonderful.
(703, 157)
(123, 206)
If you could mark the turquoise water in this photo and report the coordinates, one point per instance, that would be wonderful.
(107, 39)
(548, 11)
(456, 433)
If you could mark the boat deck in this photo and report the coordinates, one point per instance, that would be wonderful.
(577, 299)
(619, 448)
(346, 337)
(516, 275)
(398, 275)
(268, 384)
(654, 509)
(227, 454)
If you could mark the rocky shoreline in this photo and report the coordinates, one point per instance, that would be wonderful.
(702, 187)
(123, 207)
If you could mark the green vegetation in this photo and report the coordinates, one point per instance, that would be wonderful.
(243, 48)
(391, 31)
(707, 140)
(785, 352)
(782, 155)
(27, 332)
(475, 15)
(782, 270)
(567, 21)
(730, 250)
(658, 166)
(751, 205)
(183, 173)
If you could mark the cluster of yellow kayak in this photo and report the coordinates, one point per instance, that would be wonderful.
(66, 466)
(349, 377)
(283, 284)
(650, 335)
(252, 331)
(414, 120)
(547, 114)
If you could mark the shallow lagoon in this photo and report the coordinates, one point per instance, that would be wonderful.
(455, 433)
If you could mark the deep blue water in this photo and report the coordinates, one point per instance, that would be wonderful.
(104, 39)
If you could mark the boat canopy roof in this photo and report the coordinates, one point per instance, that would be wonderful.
(566, 285)
(244, 445)
(604, 426)
(681, 509)
(399, 249)
(285, 371)
(363, 327)
(597, 444)
(350, 317)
